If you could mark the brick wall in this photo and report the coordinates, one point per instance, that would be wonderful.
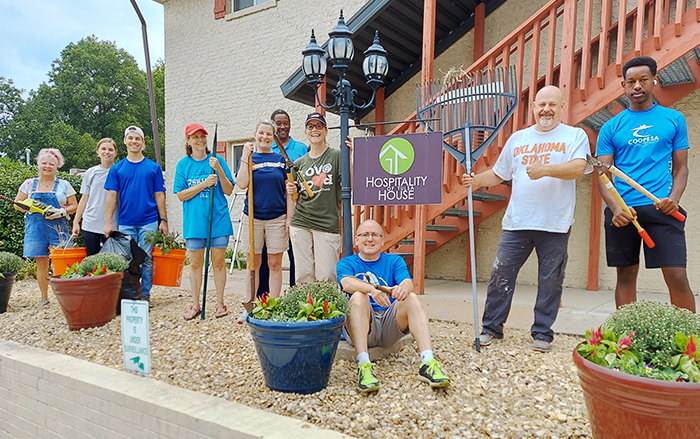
(49, 395)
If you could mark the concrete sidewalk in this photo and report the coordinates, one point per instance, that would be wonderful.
(452, 300)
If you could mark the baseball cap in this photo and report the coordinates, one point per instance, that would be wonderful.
(315, 116)
(134, 129)
(193, 128)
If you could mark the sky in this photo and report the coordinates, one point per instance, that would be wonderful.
(34, 32)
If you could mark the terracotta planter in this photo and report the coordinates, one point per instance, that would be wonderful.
(61, 258)
(88, 302)
(167, 268)
(627, 406)
(6, 284)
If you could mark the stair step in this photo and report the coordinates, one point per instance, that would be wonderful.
(439, 228)
(486, 196)
(460, 212)
(412, 241)
(403, 255)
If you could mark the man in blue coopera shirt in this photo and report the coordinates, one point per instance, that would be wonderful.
(649, 143)
(381, 318)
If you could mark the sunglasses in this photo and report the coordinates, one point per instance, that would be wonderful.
(315, 127)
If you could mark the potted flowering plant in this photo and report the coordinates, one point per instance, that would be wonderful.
(297, 335)
(88, 292)
(640, 373)
(169, 254)
(10, 264)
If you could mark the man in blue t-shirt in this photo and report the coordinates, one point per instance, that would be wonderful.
(294, 150)
(649, 143)
(381, 318)
(138, 182)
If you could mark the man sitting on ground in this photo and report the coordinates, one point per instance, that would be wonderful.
(378, 318)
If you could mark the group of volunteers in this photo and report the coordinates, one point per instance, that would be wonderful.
(646, 141)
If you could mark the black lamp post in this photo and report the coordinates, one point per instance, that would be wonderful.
(375, 68)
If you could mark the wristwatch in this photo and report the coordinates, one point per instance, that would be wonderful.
(163, 220)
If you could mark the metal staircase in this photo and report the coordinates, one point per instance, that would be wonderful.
(579, 53)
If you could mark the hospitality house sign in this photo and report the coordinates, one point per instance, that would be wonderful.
(397, 170)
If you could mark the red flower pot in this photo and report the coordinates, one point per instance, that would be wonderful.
(88, 302)
(627, 406)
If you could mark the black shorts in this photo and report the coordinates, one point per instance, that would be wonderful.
(622, 243)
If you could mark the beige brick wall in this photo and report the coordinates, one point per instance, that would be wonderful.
(49, 395)
(230, 70)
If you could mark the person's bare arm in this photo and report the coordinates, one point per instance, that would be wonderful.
(485, 179)
(226, 185)
(570, 170)
(160, 202)
(110, 205)
(79, 213)
(20, 197)
(620, 217)
(242, 176)
(679, 171)
(190, 192)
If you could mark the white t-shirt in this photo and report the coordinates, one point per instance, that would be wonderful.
(93, 186)
(545, 204)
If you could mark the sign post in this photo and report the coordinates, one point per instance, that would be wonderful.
(136, 344)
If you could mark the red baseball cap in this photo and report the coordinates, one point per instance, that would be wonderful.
(193, 128)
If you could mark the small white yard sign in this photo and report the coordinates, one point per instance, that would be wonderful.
(136, 344)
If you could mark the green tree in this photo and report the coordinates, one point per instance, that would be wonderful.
(159, 94)
(10, 102)
(95, 90)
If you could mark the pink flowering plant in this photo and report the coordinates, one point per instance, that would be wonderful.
(304, 303)
(647, 339)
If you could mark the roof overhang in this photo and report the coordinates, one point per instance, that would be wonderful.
(400, 26)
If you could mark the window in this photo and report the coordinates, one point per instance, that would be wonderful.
(242, 4)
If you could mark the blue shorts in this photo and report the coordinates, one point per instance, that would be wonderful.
(201, 244)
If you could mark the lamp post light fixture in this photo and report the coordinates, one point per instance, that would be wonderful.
(375, 68)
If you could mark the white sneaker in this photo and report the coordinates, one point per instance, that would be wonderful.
(242, 318)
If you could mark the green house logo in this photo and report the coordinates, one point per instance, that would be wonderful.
(397, 156)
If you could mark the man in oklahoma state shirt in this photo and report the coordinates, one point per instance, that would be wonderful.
(543, 161)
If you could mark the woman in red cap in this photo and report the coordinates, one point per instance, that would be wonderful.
(196, 177)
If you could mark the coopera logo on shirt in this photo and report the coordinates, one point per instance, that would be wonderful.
(396, 156)
(640, 137)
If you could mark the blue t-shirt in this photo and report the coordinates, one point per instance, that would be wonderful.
(136, 184)
(642, 145)
(389, 270)
(195, 211)
(269, 191)
(294, 149)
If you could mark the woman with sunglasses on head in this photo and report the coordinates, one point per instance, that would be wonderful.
(315, 225)
(272, 207)
(50, 229)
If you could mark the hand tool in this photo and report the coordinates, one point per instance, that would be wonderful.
(292, 169)
(616, 172)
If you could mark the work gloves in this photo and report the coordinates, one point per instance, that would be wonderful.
(53, 213)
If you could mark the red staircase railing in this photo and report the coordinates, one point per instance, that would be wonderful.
(579, 54)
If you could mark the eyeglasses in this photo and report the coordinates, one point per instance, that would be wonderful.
(317, 127)
(368, 234)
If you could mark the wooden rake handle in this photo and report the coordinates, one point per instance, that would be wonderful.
(627, 179)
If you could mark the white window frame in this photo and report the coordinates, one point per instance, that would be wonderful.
(258, 5)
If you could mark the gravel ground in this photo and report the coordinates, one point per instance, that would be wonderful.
(506, 391)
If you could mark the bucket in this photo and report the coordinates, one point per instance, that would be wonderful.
(62, 259)
(167, 268)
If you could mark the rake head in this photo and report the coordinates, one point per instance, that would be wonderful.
(469, 111)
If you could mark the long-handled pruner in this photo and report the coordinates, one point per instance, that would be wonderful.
(616, 195)
(291, 170)
(28, 205)
(616, 172)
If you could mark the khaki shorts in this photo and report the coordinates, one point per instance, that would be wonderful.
(384, 330)
(270, 232)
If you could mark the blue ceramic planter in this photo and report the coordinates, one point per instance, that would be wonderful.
(296, 357)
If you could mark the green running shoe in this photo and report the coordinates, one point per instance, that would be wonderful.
(366, 380)
(431, 373)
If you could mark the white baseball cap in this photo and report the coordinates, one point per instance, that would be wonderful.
(134, 129)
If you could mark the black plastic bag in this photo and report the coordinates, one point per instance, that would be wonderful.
(124, 245)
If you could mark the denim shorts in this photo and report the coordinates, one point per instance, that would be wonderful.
(39, 235)
(201, 244)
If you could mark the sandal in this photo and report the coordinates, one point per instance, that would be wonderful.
(192, 313)
(221, 311)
